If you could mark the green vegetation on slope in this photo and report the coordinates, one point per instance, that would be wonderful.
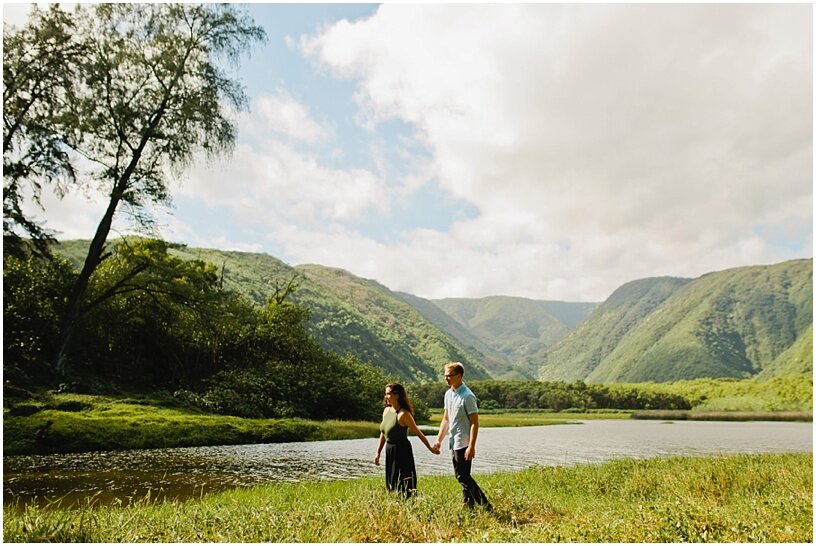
(742, 498)
(153, 322)
(347, 314)
(360, 315)
(497, 363)
(732, 323)
(515, 327)
(795, 360)
(578, 354)
(727, 324)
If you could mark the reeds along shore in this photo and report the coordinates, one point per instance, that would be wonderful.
(741, 498)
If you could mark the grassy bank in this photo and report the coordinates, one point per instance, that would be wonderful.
(72, 422)
(744, 498)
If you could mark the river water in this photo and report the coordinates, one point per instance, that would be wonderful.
(179, 473)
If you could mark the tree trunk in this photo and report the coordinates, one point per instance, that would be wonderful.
(94, 257)
(92, 260)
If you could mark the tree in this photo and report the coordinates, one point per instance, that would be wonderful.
(166, 310)
(147, 96)
(33, 300)
(39, 68)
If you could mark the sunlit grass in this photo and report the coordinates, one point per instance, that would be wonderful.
(743, 498)
(109, 422)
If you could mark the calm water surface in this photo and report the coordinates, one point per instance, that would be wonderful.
(187, 472)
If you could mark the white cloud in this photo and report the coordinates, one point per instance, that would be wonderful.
(599, 142)
(270, 183)
(282, 114)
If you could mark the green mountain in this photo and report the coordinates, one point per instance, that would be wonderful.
(361, 316)
(499, 364)
(515, 328)
(583, 349)
(732, 323)
(750, 321)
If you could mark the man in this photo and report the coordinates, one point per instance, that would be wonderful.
(461, 421)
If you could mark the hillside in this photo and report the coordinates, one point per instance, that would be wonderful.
(732, 323)
(498, 363)
(347, 314)
(743, 322)
(361, 316)
(515, 328)
(580, 352)
(795, 360)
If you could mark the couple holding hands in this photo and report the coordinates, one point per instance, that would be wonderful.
(460, 421)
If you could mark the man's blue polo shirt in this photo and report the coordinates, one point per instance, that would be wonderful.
(459, 403)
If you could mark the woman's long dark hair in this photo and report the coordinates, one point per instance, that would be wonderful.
(402, 396)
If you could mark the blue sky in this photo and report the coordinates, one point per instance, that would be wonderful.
(539, 150)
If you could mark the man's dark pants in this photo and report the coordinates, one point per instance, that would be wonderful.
(471, 493)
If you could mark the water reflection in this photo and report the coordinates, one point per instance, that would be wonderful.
(179, 473)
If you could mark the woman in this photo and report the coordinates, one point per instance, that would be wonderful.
(398, 417)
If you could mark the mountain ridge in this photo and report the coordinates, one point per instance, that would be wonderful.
(740, 322)
(730, 323)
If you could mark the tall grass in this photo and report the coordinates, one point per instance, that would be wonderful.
(743, 498)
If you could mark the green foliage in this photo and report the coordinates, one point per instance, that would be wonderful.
(347, 315)
(283, 372)
(132, 87)
(33, 301)
(742, 498)
(171, 305)
(556, 396)
(153, 320)
(137, 88)
(778, 394)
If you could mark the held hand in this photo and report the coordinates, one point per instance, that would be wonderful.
(470, 453)
(435, 449)
(436, 446)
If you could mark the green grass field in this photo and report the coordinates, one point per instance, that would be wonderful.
(743, 498)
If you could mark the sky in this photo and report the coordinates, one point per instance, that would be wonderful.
(546, 151)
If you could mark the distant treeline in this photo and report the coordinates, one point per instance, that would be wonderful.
(554, 395)
(152, 322)
(783, 393)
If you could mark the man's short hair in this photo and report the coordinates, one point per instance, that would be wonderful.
(456, 367)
